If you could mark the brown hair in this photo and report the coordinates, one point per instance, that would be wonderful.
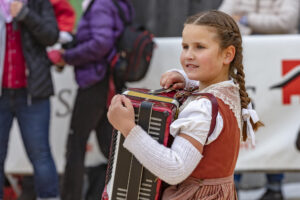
(228, 34)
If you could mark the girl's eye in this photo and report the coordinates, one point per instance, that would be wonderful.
(200, 47)
(185, 46)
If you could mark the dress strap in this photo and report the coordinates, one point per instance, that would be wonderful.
(214, 110)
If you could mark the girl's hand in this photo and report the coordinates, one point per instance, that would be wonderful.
(15, 8)
(121, 114)
(172, 78)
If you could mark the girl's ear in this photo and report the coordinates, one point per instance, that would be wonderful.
(229, 54)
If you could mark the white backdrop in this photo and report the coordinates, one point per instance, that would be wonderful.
(268, 60)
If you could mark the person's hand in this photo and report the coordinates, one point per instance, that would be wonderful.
(62, 51)
(172, 78)
(121, 114)
(56, 58)
(61, 62)
(15, 8)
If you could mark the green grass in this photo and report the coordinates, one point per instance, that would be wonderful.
(77, 6)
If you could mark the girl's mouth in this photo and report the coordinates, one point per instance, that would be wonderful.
(191, 66)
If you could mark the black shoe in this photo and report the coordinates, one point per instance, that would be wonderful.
(272, 195)
(28, 192)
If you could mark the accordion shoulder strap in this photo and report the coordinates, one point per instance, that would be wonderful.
(214, 110)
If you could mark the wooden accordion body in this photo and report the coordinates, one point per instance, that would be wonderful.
(126, 178)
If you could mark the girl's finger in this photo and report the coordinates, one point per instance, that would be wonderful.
(178, 86)
(163, 81)
(127, 102)
(168, 83)
(114, 99)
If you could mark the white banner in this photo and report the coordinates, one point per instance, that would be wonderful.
(272, 68)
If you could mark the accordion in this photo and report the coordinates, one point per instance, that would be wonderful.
(126, 178)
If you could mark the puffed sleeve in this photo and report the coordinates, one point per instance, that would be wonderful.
(195, 119)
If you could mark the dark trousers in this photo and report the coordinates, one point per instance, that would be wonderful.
(272, 179)
(89, 114)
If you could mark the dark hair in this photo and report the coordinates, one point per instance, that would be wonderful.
(228, 33)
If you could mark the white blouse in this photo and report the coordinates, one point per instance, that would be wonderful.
(195, 119)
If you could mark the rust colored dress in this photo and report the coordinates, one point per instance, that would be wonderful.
(213, 177)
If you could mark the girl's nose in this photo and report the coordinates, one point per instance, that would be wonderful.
(189, 54)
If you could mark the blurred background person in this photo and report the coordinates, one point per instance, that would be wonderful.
(265, 17)
(26, 28)
(166, 18)
(97, 33)
(65, 17)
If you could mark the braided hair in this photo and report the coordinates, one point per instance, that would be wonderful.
(228, 34)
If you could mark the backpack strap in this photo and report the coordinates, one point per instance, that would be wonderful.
(121, 13)
(214, 110)
(89, 7)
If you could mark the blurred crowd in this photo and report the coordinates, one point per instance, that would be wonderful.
(38, 34)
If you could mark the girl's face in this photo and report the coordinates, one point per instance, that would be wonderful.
(202, 58)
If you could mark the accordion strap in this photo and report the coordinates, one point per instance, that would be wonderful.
(136, 169)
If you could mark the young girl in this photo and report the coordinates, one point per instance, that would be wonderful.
(197, 167)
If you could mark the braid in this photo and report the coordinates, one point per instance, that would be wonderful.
(239, 78)
(229, 34)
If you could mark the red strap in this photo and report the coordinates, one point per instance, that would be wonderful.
(114, 61)
(214, 110)
(111, 90)
(111, 84)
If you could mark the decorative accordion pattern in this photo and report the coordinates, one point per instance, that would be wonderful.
(126, 178)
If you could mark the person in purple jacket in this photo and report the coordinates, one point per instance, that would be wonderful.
(97, 33)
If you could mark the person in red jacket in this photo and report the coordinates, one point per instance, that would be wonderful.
(66, 18)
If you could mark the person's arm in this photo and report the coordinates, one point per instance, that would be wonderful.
(42, 25)
(65, 15)
(174, 164)
(277, 23)
(101, 36)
